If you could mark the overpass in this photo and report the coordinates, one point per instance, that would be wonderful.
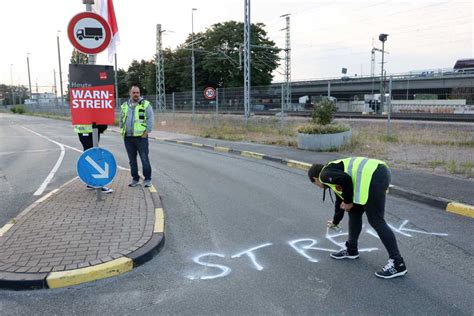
(404, 86)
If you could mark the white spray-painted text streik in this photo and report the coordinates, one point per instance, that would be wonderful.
(304, 247)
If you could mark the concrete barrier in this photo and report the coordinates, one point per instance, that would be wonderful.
(323, 141)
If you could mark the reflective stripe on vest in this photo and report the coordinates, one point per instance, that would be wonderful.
(83, 129)
(139, 125)
(360, 170)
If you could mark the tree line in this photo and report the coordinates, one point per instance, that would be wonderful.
(219, 61)
(219, 58)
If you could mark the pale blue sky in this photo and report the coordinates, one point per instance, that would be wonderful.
(326, 35)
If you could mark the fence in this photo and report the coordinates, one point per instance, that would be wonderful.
(269, 99)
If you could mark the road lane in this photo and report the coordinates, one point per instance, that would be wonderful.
(223, 204)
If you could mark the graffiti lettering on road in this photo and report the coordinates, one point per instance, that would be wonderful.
(251, 255)
(225, 270)
(403, 231)
(305, 247)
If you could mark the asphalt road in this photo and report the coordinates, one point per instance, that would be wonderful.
(220, 206)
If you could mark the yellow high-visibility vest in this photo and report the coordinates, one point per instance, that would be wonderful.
(360, 169)
(83, 129)
(140, 120)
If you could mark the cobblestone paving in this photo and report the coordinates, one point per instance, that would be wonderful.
(70, 230)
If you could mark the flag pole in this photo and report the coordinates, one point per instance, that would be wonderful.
(116, 83)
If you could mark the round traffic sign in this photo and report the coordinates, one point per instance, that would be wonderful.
(89, 33)
(209, 93)
(96, 167)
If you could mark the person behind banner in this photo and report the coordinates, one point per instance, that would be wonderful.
(84, 132)
(136, 122)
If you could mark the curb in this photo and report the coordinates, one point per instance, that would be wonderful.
(437, 202)
(29, 281)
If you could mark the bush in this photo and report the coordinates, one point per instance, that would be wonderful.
(323, 112)
(18, 109)
(323, 129)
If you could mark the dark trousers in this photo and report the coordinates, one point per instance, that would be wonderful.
(138, 145)
(86, 141)
(375, 210)
(338, 212)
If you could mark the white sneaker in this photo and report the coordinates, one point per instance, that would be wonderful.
(106, 190)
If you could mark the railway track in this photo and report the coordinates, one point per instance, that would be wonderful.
(442, 117)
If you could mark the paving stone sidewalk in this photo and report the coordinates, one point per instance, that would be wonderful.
(71, 230)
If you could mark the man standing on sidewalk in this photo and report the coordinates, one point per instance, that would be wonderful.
(136, 122)
(84, 132)
(361, 183)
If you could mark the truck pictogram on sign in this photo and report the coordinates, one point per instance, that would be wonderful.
(90, 32)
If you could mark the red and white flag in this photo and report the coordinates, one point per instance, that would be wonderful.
(105, 8)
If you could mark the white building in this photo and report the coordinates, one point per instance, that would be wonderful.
(41, 98)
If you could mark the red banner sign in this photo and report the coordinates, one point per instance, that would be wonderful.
(91, 94)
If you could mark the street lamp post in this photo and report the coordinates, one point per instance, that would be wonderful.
(29, 77)
(192, 61)
(383, 39)
(60, 72)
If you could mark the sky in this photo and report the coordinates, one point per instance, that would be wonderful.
(325, 35)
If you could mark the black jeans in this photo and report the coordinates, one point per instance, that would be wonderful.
(138, 145)
(338, 212)
(86, 140)
(375, 210)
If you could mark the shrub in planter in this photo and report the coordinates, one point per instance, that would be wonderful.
(321, 134)
(323, 112)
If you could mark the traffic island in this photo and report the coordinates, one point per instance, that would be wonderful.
(68, 238)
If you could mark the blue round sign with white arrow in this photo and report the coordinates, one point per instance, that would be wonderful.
(96, 167)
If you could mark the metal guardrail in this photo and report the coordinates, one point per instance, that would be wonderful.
(448, 74)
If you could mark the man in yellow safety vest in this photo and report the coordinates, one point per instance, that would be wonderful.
(136, 122)
(360, 185)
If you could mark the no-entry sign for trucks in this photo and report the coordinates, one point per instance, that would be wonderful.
(91, 94)
(89, 33)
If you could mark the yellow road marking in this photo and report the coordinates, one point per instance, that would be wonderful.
(159, 221)
(153, 189)
(298, 164)
(251, 154)
(461, 209)
(196, 144)
(222, 149)
(101, 271)
(5, 228)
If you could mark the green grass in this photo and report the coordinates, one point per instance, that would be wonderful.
(466, 168)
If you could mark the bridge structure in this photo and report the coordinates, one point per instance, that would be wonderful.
(404, 87)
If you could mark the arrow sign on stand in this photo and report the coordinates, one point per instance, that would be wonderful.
(89, 167)
(102, 173)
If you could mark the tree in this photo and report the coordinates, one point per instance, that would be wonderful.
(122, 85)
(224, 42)
(218, 61)
(138, 74)
(79, 58)
(218, 53)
